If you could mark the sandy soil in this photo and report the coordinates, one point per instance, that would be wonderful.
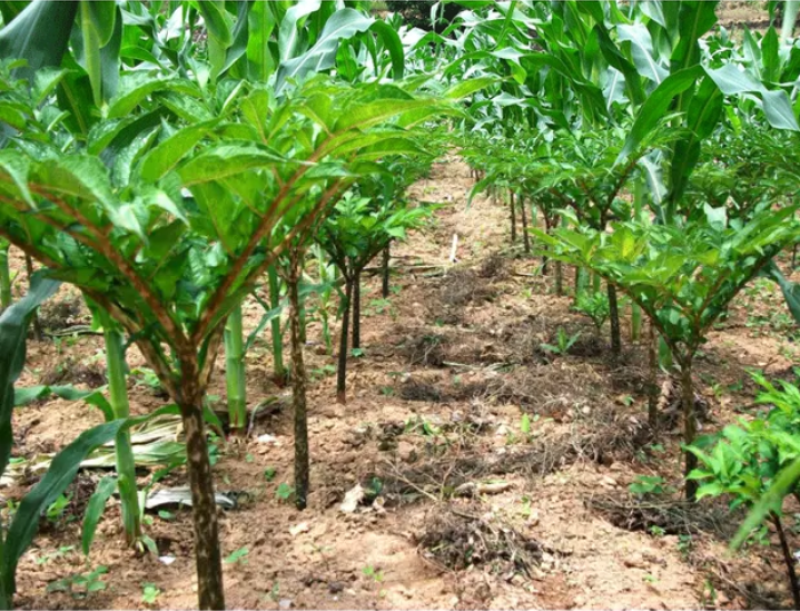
(451, 365)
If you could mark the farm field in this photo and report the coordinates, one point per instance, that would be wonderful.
(569, 482)
(303, 305)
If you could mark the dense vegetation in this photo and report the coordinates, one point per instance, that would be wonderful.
(175, 160)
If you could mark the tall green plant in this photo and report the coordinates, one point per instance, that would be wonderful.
(15, 539)
(235, 373)
(118, 398)
(355, 233)
(129, 236)
(683, 278)
(5, 275)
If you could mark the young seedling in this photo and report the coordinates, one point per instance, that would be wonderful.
(563, 342)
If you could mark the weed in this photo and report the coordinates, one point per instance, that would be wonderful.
(57, 508)
(375, 574)
(685, 546)
(150, 593)
(563, 342)
(648, 484)
(81, 585)
(60, 553)
(284, 492)
(238, 557)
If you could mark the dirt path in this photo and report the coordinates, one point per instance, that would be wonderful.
(452, 362)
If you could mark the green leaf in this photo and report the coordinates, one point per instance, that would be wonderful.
(791, 290)
(769, 502)
(290, 35)
(260, 61)
(167, 154)
(23, 396)
(343, 24)
(102, 16)
(95, 509)
(17, 167)
(213, 12)
(642, 51)
(656, 107)
(39, 34)
(60, 474)
(777, 107)
(13, 330)
(467, 87)
(393, 44)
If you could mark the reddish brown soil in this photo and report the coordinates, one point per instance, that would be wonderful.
(457, 349)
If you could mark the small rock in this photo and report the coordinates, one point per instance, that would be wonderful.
(267, 438)
(635, 561)
(285, 603)
(586, 410)
(502, 430)
(387, 445)
(299, 528)
(406, 451)
(351, 500)
(335, 587)
(609, 482)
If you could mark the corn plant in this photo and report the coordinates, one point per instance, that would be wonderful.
(5, 276)
(235, 373)
(118, 394)
(17, 536)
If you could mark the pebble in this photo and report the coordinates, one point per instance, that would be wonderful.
(406, 451)
(285, 603)
(635, 561)
(335, 587)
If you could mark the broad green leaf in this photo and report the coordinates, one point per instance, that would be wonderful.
(260, 62)
(13, 330)
(642, 51)
(213, 12)
(17, 168)
(344, 23)
(656, 106)
(465, 88)
(79, 176)
(776, 104)
(290, 34)
(167, 154)
(39, 34)
(225, 160)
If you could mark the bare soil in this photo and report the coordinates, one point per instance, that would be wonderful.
(470, 511)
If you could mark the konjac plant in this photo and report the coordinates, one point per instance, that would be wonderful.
(683, 278)
(171, 243)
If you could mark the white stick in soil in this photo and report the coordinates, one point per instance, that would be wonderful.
(454, 248)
